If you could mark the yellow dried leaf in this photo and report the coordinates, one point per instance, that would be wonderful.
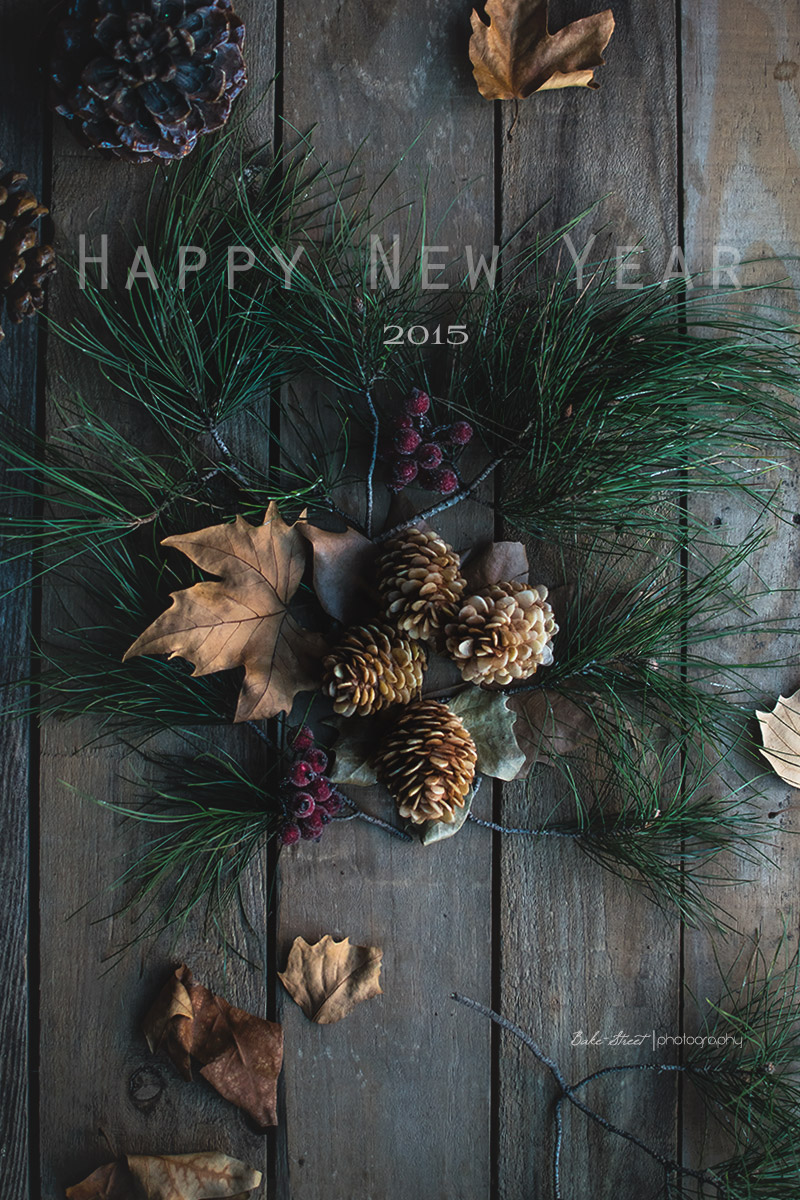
(515, 55)
(780, 732)
(243, 619)
(330, 978)
(169, 1177)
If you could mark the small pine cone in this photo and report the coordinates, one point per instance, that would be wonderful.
(144, 79)
(502, 634)
(25, 264)
(420, 580)
(427, 762)
(371, 669)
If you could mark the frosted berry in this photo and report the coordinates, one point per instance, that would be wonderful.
(311, 828)
(407, 441)
(304, 740)
(300, 773)
(318, 761)
(460, 433)
(333, 806)
(403, 474)
(418, 403)
(444, 481)
(429, 455)
(302, 804)
(289, 834)
(319, 790)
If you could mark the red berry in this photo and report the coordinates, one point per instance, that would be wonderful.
(302, 805)
(289, 834)
(445, 481)
(319, 790)
(318, 761)
(429, 455)
(300, 773)
(406, 441)
(460, 433)
(304, 740)
(417, 403)
(403, 474)
(311, 827)
(333, 806)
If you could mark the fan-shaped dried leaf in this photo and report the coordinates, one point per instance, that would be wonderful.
(169, 1177)
(241, 1053)
(343, 564)
(242, 620)
(780, 732)
(330, 978)
(514, 55)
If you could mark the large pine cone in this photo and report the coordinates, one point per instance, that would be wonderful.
(420, 581)
(373, 668)
(25, 264)
(427, 762)
(502, 634)
(145, 78)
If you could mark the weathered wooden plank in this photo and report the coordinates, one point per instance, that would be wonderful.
(741, 131)
(21, 148)
(102, 1092)
(579, 952)
(396, 1100)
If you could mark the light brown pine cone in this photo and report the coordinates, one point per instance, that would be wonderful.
(502, 634)
(372, 668)
(427, 762)
(420, 580)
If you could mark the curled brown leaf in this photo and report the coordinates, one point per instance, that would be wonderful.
(206, 1176)
(241, 1054)
(330, 978)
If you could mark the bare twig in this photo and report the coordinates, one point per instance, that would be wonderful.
(450, 502)
(373, 460)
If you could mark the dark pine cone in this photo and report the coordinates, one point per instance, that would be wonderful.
(25, 264)
(145, 79)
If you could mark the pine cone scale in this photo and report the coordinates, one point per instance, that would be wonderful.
(25, 265)
(373, 668)
(420, 581)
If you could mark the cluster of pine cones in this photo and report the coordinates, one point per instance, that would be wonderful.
(498, 636)
(25, 263)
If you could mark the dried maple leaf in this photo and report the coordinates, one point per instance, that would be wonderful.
(243, 619)
(780, 732)
(169, 1177)
(514, 55)
(330, 978)
(241, 1053)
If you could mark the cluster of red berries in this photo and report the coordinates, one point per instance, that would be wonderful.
(310, 801)
(419, 453)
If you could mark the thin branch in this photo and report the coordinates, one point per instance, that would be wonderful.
(373, 460)
(358, 813)
(226, 453)
(567, 1092)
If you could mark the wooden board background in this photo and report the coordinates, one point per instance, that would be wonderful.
(696, 135)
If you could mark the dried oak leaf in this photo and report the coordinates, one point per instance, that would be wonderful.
(550, 726)
(343, 566)
(243, 618)
(515, 55)
(330, 978)
(241, 1053)
(169, 1177)
(780, 732)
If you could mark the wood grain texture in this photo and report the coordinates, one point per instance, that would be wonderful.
(396, 1100)
(21, 148)
(741, 128)
(579, 951)
(103, 1094)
